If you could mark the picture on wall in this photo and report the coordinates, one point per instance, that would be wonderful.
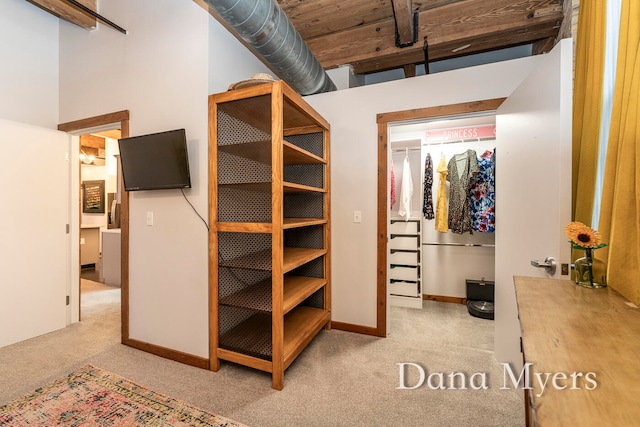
(93, 196)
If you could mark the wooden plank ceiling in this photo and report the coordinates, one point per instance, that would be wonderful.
(362, 33)
(378, 35)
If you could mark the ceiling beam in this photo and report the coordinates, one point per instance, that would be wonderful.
(92, 141)
(449, 28)
(68, 12)
(403, 17)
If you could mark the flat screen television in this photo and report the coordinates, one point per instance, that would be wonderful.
(156, 161)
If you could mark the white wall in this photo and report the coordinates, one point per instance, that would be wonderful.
(174, 55)
(29, 71)
(354, 152)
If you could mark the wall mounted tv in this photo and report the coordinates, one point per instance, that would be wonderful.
(156, 161)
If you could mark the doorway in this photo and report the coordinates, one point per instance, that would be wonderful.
(384, 122)
(119, 122)
(99, 226)
(427, 259)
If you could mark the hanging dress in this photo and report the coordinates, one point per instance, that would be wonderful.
(462, 170)
(441, 202)
(482, 196)
(392, 184)
(427, 204)
(406, 191)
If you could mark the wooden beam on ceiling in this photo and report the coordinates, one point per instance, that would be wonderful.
(68, 12)
(403, 16)
(449, 28)
(316, 18)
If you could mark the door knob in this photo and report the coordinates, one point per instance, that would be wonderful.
(549, 265)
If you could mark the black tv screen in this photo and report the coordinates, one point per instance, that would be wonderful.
(156, 161)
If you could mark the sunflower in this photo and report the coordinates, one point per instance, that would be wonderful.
(583, 236)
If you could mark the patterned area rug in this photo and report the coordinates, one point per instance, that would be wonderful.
(94, 397)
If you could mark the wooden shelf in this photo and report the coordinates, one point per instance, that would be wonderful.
(294, 155)
(253, 105)
(265, 187)
(259, 260)
(302, 222)
(299, 288)
(266, 227)
(251, 337)
(295, 257)
(290, 187)
(300, 326)
(260, 151)
(280, 323)
(251, 297)
(296, 290)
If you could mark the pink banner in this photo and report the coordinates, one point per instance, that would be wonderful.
(471, 132)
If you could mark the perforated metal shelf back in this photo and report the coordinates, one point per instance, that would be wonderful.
(244, 268)
(244, 183)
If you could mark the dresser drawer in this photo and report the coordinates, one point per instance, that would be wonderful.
(406, 289)
(401, 272)
(404, 227)
(406, 258)
(403, 241)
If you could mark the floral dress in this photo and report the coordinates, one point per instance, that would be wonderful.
(462, 170)
(427, 204)
(483, 195)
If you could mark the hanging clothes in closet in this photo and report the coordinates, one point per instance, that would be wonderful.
(442, 224)
(483, 195)
(406, 190)
(393, 185)
(427, 204)
(462, 170)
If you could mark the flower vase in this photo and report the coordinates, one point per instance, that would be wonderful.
(589, 271)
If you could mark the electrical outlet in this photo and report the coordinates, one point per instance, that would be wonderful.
(149, 218)
(357, 216)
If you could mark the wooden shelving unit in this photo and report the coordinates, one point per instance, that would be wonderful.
(269, 199)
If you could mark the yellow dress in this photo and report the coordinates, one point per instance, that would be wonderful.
(442, 223)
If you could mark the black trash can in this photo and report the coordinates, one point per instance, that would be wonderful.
(480, 298)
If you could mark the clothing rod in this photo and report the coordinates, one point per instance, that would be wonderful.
(459, 244)
(405, 149)
(458, 141)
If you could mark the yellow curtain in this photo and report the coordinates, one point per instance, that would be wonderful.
(620, 211)
(587, 106)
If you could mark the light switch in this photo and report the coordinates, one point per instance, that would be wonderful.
(357, 216)
(149, 218)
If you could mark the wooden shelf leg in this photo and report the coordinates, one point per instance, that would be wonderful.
(214, 364)
(277, 380)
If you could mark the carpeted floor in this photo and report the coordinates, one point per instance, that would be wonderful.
(341, 379)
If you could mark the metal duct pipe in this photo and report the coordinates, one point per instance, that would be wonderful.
(264, 25)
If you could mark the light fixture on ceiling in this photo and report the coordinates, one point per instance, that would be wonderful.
(87, 159)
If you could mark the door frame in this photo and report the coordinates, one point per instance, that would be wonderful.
(383, 120)
(120, 118)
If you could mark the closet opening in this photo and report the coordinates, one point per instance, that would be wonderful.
(422, 255)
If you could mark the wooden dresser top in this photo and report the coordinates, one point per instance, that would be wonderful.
(574, 330)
